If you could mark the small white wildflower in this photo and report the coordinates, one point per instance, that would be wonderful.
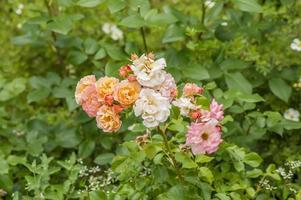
(209, 3)
(265, 184)
(112, 30)
(293, 190)
(296, 45)
(19, 9)
(224, 23)
(292, 114)
(19, 25)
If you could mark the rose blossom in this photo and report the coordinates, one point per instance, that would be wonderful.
(215, 112)
(89, 100)
(153, 107)
(105, 86)
(107, 119)
(168, 88)
(191, 89)
(185, 105)
(204, 137)
(148, 72)
(81, 85)
(126, 93)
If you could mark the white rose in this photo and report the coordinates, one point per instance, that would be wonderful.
(296, 45)
(149, 73)
(152, 107)
(185, 105)
(292, 114)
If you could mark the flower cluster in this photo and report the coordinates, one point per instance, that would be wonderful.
(105, 99)
(151, 91)
(204, 134)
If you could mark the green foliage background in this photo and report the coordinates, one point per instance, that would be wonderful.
(247, 65)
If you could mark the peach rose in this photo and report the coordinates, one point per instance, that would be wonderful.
(126, 93)
(105, 86)
(89, 101)
(82, 85)
(107, 119)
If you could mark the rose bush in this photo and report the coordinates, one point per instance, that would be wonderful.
(212, 113)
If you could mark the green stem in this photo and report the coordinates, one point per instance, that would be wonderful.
(52, 11)
(142, 32)
(203, 12)
(169, 152)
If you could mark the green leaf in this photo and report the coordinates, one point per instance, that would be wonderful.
(239, 82)
(89, 3)
(38, 95)
(116, 5)
(132, 21)
(280, 88)
(97, 195)
(115, 52)
(67, 138)
(196, 71)
(250, 98)
(13, 88)
(77, 57)
(61, 25)
(186, 161)
(105, 158)
(111, 69)
(254, 173)
(3, 166)
(252, 159)
(86, 148)
(248, 5)
(15, 160)
(203, 158)
(160, 19)
(233, 64)
(90, 45)
(173, 34)
(207, 174)
(151, 150)
(100, 54)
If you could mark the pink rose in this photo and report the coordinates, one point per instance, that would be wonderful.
(216, 112)
(204, 137)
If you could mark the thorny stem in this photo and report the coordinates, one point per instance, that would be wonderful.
(142, 32)
(169, 152)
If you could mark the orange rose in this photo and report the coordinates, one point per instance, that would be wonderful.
(126, 93)
(82, 85)
(107, 119)
(104, 87)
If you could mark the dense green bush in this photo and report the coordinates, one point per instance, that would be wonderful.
(244, 52)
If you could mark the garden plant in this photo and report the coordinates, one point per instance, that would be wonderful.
(150, 99)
